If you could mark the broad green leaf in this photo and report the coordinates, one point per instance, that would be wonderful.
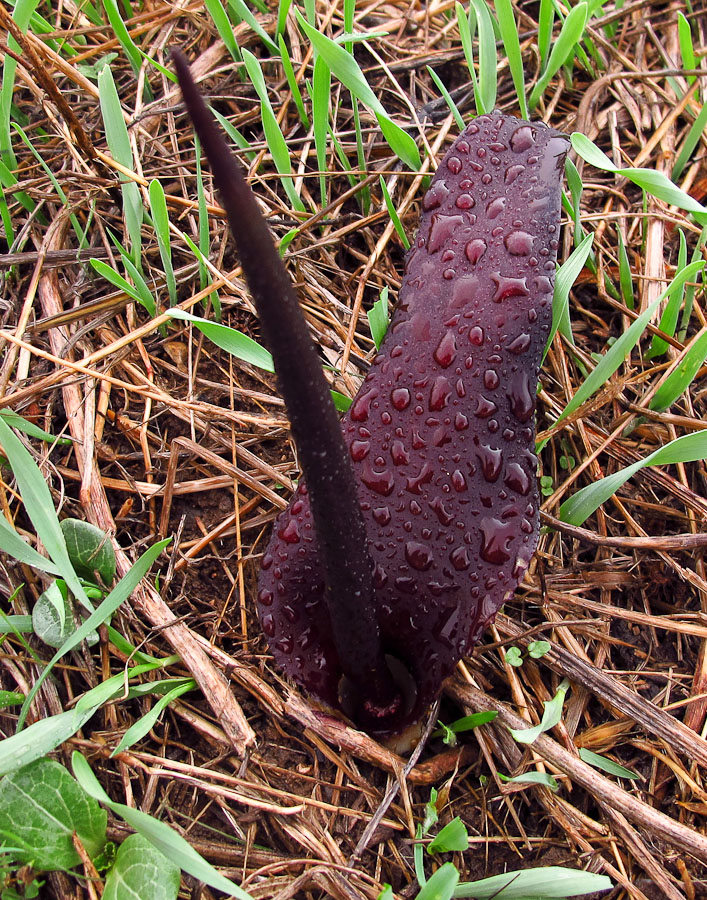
(453, 837)
(688, 448)
(441, 885)
(606, 765)
(234, 342)
(90, 550)
(140, 870)
(542, 778)
(551, 716)
(613, 358)
(158, 833)
(41, 806)
(341, 401)
(545, 883)
(53, 617)
(10, 698)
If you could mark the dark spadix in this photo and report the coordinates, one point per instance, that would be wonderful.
(420, 510)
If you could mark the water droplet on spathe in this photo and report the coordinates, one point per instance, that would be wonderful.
(290, 533)
(446, 351)
(475, 250)
(496, 207)
(491, 460)
(454, 164)
(519, 243)
(440, 393)
(359, 450)
(400, 398)
(476, 335)
(443, 227)
(522, 139)
(496, 536)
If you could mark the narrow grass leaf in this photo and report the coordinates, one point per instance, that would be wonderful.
(14, 420)
(543, 778)
(22, 14)
(219, 17)
(692, 139)
(546, 21)
(458, 118)
(511, 44)
(616, 354)
(160, 219)
(341, 401)
(283, 9)
(467, 723)
(234, 342)
(117, 280)
(681, 377)
(274, 137)
(378, 318)
(488, 62)
(606, 765)
(688, 448)
(566, 276)
(441, 885)
(466, 23)
(321, 98)
(651, 181)
(289, 71)
(146, 723)
(104, 611)
(126, 42)
(625, 276)
(669, 318)
(551, 716)
(400, 142)
(119, 146)
(687, 50)
(12, 544)
(570, 34)
(8, 180)
(41, 738)
(158, 833)
(247, 16)
(393, 213)
(542, 883)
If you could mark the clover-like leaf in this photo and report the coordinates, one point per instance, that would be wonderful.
(90, 550)
(141, 870)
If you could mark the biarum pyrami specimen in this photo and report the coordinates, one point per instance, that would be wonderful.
(418, 513)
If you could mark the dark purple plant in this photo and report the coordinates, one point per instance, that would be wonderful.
(420, 510)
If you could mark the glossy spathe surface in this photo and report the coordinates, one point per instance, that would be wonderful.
(442, 432)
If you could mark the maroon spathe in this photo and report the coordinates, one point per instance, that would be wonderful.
(442, 433)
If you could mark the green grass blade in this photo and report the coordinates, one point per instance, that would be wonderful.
(146, 723)
(122, 284)
(692, 139)
(345, 68)
(546, 22)
(467, 29)
(238, 139)
(378, 319)
(681, 377)
(22, 14)
(688, 448)
(669, 318)
(488, 61)
(656, 183)
(222, 23)
(570, 34)
(247, 16)
(160, 219)
(511, 44)
(321, 97)
(273, 135)
(566, 276)
(616, 354)
(126, 42)
(625, 277)
(540, 883)
(393, 213)
(289, 71)
(282, 11)
(119, 146)
(687, 50)
(234, 342)
(447, 98)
